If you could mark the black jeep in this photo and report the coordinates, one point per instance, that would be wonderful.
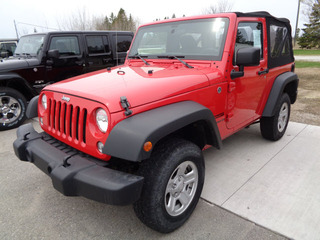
(42, 59)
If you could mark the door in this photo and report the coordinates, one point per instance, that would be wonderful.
(122, 44)
(245, 93)
(98, 52)
(70, 62)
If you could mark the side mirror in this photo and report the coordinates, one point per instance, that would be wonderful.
(246, 57)
(54, 53)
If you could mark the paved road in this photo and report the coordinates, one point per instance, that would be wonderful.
(31, 209)
(273, 184)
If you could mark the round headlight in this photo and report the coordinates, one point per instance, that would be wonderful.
(44, 101)
(102, 120)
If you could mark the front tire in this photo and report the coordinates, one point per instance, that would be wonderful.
(12, 108)
(273, 128)
(174, 177)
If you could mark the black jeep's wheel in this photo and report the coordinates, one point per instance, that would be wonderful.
(273, 128)
(174, 177)
(12, 108)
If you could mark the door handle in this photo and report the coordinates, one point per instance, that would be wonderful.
(264, 71)
(79, 62)
(106, 60)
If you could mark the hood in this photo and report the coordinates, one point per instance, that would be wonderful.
(17, 63)
(137, 84)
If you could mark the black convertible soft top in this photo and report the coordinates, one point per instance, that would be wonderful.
(262, 14)
(279, 38)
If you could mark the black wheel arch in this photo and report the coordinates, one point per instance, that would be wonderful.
(186, 119)
(286, 82)
(15, 81)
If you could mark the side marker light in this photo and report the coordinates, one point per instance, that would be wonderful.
(147, 146)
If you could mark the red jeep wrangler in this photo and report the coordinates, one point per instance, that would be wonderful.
(134, 133)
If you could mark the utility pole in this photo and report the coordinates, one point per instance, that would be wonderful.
(15, 26)
(297, 21)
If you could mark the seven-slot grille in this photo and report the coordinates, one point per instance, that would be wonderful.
(67, 120)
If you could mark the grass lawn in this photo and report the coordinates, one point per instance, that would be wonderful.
(302, 64)
(306, 52)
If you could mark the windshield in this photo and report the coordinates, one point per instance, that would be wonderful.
(201, 39)
(30, 45)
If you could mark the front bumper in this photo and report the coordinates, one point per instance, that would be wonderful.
(73, 173)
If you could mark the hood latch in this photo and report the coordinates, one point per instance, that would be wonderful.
(125, 105)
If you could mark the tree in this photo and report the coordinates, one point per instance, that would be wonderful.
(120, 22)
(165, 18)
(77, 21)
(307, 7)
(83, 21)
(311, 36)
(221, 6)
(100, 23)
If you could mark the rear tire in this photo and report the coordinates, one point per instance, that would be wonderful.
(174, 177)
(273, 128)
(12, 108)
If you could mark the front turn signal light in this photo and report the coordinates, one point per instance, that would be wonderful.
(147, 146)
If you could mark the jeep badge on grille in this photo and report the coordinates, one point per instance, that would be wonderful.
(67, 99)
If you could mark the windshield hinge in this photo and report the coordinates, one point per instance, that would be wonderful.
(125, 105)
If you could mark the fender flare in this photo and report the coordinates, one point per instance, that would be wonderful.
(32, 109)
(127, 138)
(9, 77)
(277, 89)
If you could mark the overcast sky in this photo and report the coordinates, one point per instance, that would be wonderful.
(52, 13)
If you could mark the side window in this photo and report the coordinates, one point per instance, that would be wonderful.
(123, 42)
(279, 42)
(11, 47)
(97, 44)
(249, 34)
(8, 47)
(286, 48)
(67, 45)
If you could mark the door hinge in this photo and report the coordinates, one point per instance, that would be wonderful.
(229, 116)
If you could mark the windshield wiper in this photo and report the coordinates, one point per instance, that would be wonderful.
(178, 58)
(140, 57)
